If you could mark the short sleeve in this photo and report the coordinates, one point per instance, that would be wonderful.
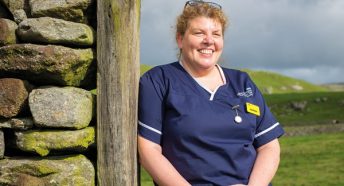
(268, 128)
(150, 107)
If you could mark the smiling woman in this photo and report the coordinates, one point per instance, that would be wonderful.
(199, 123)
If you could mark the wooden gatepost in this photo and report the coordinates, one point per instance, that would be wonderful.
(118, 24)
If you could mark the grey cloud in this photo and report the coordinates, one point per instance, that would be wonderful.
(301, 38)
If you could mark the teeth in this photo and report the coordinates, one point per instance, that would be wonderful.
(206, 51)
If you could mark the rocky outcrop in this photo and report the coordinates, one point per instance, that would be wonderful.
(13, 96)
(44, 141)
(74, 170)
(70, 10)
(7, 32)
(56, 31)
(46, 64)
(70, 107)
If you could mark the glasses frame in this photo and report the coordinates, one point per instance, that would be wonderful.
(197, 2)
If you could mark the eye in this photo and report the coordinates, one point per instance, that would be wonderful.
(217, 34)
(198, 33)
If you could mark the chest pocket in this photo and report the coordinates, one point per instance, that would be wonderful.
(182, 104)
(236, 107)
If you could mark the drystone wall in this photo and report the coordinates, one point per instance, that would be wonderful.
(47, 112)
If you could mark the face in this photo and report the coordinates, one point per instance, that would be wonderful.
(201, 44)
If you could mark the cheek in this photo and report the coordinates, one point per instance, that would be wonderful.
(219, 45)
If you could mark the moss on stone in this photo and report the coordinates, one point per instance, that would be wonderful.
(38, 169)
(59, 170)
(75, 73)
(42, 142)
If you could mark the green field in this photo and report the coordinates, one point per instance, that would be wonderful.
(305, 161)
(311, 160)
(321, 108)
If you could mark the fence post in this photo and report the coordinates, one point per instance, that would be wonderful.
(118, 24)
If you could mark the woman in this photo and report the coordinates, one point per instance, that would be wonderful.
(199, 123)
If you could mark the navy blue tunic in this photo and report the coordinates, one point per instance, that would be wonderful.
(197, 130)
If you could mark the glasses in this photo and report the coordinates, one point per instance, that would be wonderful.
(198, 2)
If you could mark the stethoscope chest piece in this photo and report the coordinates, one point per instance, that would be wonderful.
(237, 119)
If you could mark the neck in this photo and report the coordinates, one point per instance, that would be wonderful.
(210, 78)
(198, 72)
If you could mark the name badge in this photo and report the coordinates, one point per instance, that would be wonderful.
(253, 109)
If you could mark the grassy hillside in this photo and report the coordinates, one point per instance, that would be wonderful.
(304, 109)
(334, 86)
(273, 83)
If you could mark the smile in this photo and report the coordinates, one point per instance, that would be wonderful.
(204, 51)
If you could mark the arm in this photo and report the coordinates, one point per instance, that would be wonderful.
(266, 164)
(157, 165)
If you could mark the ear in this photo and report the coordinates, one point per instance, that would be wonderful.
(179, 39)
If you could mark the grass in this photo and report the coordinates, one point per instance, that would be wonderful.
(311, 160)
(305, 161)
(321, 108)
(146, 180)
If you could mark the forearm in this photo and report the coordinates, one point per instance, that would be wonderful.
(161, 170)
(266, 164)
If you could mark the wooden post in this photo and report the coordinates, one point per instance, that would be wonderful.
(118, 23)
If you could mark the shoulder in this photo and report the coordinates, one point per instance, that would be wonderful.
(159, 77)
(160, 71)
(241, 83)
(235, 75)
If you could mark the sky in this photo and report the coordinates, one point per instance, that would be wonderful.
(303, 39)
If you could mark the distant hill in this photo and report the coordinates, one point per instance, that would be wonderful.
(334, 86)
(273, 83)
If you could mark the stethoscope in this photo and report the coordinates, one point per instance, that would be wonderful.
(237, 118)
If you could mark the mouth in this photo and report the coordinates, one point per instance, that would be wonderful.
(206, 51)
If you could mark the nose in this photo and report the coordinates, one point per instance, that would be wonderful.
(208, 39)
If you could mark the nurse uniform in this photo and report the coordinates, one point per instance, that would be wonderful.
(209, 137)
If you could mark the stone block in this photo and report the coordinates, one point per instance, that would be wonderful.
(44, 141)
(62, 9)
(46, 64)
(75, 170)
(55, 31)
(13, 97)
(7, 32)
(66, 107)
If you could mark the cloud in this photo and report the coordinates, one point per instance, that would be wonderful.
(300, 38)
(316, 75)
